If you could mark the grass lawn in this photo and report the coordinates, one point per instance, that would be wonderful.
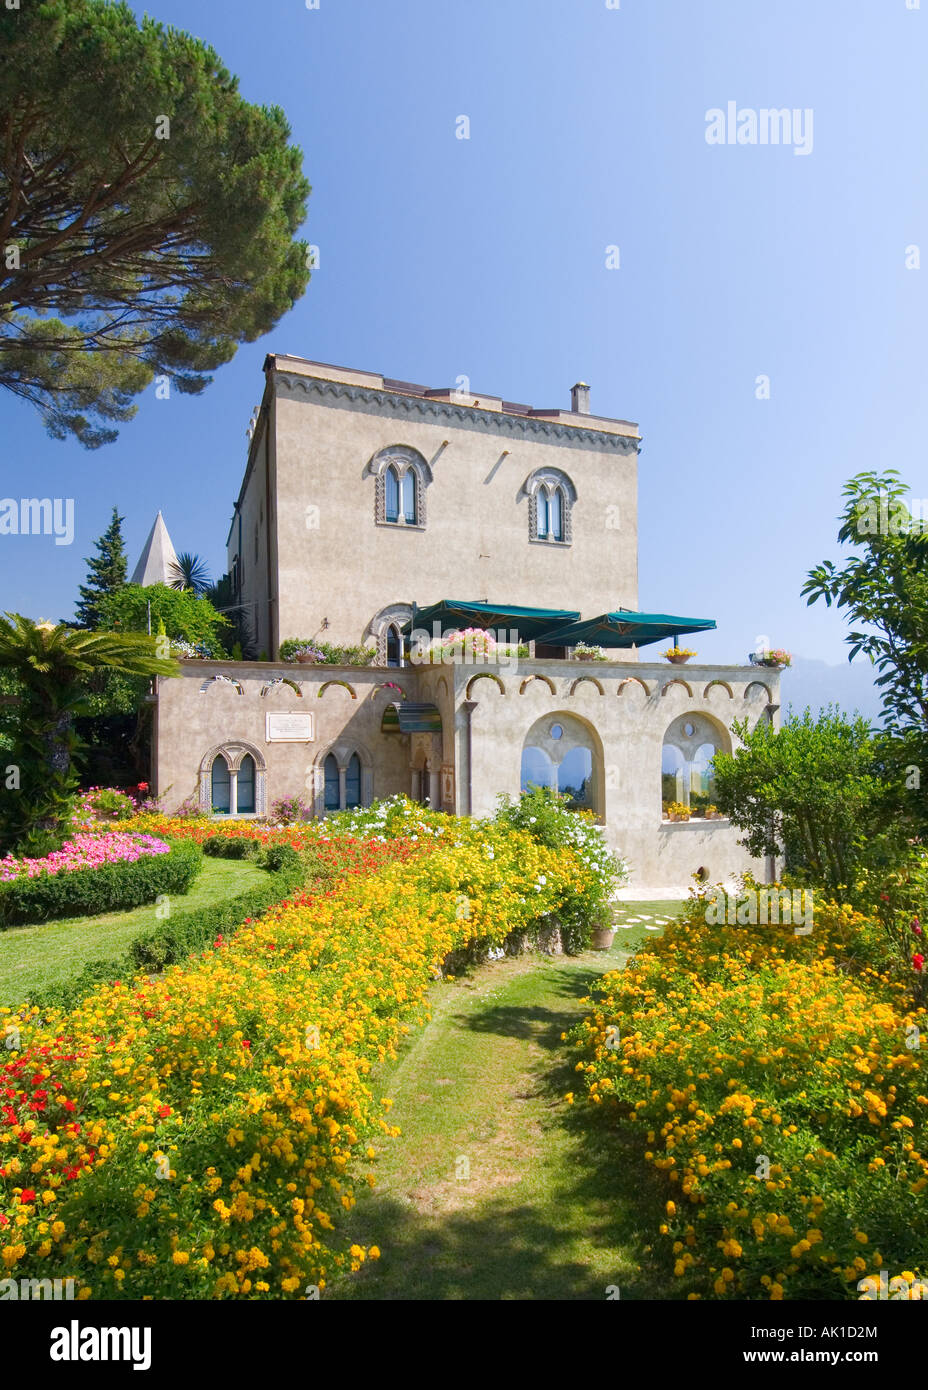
(546, 1205)
(49, 952)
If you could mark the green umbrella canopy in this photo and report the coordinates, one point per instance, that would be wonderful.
(449, 613)
(623, 628)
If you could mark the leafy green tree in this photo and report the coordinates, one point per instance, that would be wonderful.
(186, 616)
(50, 667)
(812, 791)
(106, 573)
(147, 212)
(883, 589)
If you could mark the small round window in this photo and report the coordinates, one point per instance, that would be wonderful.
(556, 731)
(689, 730)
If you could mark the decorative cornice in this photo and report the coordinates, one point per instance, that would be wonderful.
(389, 402)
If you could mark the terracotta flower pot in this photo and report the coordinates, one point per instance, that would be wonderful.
(603, 938)
(678, 660)
(307, 659)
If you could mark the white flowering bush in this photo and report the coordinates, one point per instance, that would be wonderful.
(545, 815)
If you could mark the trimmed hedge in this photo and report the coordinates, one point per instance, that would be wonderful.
(109, 888)
(180, 935)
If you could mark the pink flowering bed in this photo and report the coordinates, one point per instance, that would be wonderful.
(84, 852)
(94, 873)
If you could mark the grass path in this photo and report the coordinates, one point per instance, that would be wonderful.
(38, 956)
(497, 1188)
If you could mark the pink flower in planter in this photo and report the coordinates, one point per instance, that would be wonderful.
(84, 851)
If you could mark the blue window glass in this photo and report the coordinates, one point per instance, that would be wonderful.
(542, 504)
(353, 781)
(221, 786)
(246, 784)
(409, 496)
(557, 513)
(394, 647)
(391, 495)
(332, 799)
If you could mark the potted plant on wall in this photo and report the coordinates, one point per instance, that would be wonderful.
(678, 655)
(309, 656)
(772, 656)
(712, 812)
(584, 652)
(677, 811)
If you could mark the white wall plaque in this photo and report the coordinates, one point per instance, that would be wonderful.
(289, 728)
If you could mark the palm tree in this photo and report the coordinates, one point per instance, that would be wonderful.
(190, 572)
(49, 666)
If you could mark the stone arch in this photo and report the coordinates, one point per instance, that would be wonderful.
(592, 680)
(404, 459)
(632, 680)
(484, 676)
(677, 681)
(683, 760)
(545, 679)
(395, 615)
(223, 680)
(758, 685)
(342, 749)
(233, 751)
(400, 693)
(550, 755)
(549, 481)
(344, 684)
(723, 684)
(279, 681)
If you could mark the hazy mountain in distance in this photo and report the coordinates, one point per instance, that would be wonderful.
(850, 685)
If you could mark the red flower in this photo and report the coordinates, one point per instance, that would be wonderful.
(143, 786)
(27, 1195)
(164, 1111)
(918, 961)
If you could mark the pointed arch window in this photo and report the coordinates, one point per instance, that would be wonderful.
(246, 785)
(391, 488)
(394, 646)
(556, 513)
(221, 786)
(353, 782)
(551, 498)
(332, 790)
(409, 497)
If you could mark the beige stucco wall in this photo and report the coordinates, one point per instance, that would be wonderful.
(330, 559)
(627, 722)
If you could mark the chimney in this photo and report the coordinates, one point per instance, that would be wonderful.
(580, 398)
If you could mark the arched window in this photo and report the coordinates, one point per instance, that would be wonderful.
(537, 769)
(221, 786)
(394, 646)
(551, 496)
(391, 489)
(246, 785)
(353, 782)
(556, 512)
(409, 497)
(402, 478)
(542, 513)
(690, 745)
(332, 792)
(575, 778)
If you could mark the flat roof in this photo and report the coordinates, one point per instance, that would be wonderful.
(354, 376)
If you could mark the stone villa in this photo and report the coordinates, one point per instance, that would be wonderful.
(382, 513)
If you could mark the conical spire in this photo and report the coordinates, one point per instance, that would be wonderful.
(158, 557)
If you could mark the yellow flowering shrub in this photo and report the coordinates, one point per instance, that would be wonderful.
(202, 1135)
(777, 1086)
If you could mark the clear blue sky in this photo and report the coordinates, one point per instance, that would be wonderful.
(441, 257)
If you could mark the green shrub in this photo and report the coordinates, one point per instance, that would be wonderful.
(179, 935)
(546, 817)
(230, 847)
(277, 857)
(109, 888)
